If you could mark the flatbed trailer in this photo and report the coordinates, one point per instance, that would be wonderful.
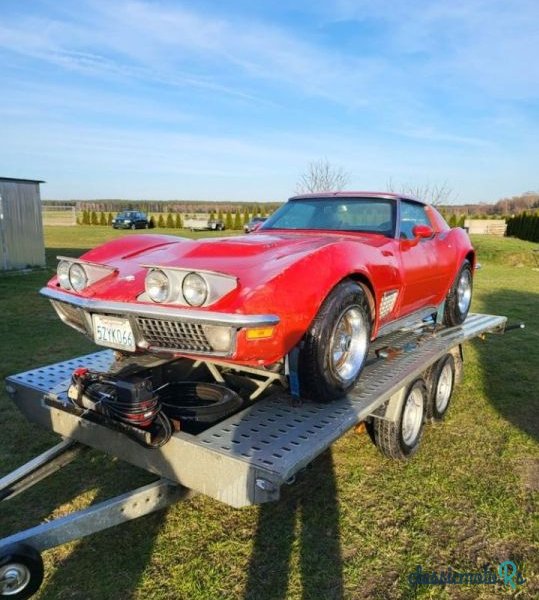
(243, 460)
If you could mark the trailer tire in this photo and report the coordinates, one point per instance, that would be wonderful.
(400, 439)
(441, 380)
(21, 572)
(343, 325)
(459, 298)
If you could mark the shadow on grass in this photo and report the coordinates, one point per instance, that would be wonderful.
(311, 509)
(510, 363)
(109, 564)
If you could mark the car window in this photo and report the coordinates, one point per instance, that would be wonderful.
(373, 215)
(412, 213)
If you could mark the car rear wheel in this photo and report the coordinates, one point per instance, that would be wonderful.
(459, 299)
(336, 346)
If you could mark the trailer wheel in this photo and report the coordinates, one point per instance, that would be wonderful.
(337, 344)
(442, 383)
(459, 299)
(400, 439)
(21, 572)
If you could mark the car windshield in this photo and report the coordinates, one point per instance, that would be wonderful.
(371, 215)
(126, 215)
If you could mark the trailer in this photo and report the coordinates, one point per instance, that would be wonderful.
(242, 460)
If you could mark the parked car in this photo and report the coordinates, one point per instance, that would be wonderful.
(203, 224)
(325, 275)
(130, 219)
(254, 224)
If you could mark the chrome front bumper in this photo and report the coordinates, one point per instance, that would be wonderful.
(156, 328)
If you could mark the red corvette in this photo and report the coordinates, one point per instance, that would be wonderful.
(326, 274)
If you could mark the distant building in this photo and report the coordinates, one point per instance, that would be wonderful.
(486, 226)
(21, 229)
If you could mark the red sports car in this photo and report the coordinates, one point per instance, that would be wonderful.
(326, 274)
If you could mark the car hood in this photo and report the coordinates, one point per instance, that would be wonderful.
(235, 255)
(253, 259)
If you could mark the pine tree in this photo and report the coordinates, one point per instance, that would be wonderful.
(453, 220)
(170, 221)
(94, 220)
(246, 216)
(151, 223)
(179, 222)
(228, 221)
(85, 217)
(220, 215)
(109, 219)
(237, 220)
(161, 221)
(102, 219)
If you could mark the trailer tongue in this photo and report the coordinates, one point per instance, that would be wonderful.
(241, 460)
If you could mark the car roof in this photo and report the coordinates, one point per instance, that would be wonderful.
(353, 194)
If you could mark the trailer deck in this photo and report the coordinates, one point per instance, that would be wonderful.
(246, 458)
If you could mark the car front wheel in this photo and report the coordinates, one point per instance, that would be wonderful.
(336, 345)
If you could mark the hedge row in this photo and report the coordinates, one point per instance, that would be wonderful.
(170, 221)
(524, 226)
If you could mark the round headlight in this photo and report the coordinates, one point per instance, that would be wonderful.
(195, 289)
(62, 272)
(157, 285)
(77, 277)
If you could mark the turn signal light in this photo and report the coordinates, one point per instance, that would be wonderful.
(259, 333)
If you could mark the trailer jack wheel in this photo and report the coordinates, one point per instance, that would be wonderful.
(21, 572)
(400, 439)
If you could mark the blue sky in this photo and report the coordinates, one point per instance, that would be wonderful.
(231, 100)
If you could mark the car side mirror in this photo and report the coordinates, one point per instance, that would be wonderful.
(422, 231)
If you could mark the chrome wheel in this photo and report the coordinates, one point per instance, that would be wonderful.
(349, 344)
(14, 578)
(444, 388)
(412, 416)
(464, 291)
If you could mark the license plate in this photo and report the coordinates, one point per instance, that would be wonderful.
(113, 332)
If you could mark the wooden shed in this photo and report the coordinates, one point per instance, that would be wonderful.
(21, 228)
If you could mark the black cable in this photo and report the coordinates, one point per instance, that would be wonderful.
(102, 392)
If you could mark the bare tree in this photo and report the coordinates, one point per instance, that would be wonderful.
(322, 176)
(434, 194)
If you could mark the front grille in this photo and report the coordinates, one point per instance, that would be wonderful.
(174, 335)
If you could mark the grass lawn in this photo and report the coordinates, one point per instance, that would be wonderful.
(354, 525)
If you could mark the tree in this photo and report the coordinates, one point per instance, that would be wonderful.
(322, 176)
(161, 221)
(170, 221)
(94, 220)
(453, 220)
(109, 218)
(434, 194)
(228, 222)
(179, 222)
(151, 223)
(237, 220)
(86, 217)
(102, 219)
(246, 215)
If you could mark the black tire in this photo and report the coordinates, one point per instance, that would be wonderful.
(201, 403)
(440, 390)
(388, 435)
(454, 314)
(26, 562)
(319, 378)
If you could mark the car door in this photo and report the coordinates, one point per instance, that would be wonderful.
(418, 257)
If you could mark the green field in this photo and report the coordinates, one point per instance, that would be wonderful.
(354, 525)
